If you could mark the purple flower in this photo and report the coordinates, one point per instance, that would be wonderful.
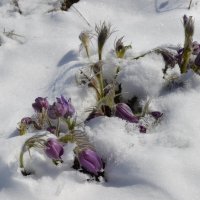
(90, 161)
(61, 108)
(26, 120)
(51, 129)
(142, 129)
(56, 110)
(54, 149)
(40, 103)
(156, 114)
(68, 106)
(123, 111)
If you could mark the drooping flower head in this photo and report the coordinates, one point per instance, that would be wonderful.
(61, 108)
(90, 161)
(24, 125)
(54, 149)
(123, 111)
(103, 33)
(120, 48)
(40, 103)
(85, 38)
(26, 120)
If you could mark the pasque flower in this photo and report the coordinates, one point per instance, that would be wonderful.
(61, 108)
(123, 111)
(67, 106)
(26, 120)
(90, 161)
(40, 103)
(54, 149)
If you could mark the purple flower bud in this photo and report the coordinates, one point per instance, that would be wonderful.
(90, 161)
(156, 114)
(40, 103)
(142, 129)
(123, 111)
(51, 129)
(26, 120)
(54, 149)
(61, 108)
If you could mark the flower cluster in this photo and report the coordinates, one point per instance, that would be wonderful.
(58, 119)
(48, 117)
(47, 114)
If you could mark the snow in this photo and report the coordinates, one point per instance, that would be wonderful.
(161, 165)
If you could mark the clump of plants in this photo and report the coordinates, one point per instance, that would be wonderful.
(58, 120)
(186, 58)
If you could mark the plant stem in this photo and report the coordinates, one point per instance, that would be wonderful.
(48, 121)
(21, 160)
(81, 16)
(58, 127)
(190, 5)
(87, 52)
(100, 53)
(67, 138)
(186, 57)
(101, 85)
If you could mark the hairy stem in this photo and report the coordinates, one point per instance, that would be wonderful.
(21, 160)
(81, 16)
(190, 5)
(58, 127)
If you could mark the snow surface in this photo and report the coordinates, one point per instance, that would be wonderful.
(161, 165)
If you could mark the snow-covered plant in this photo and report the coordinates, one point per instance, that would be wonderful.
(103, 32)
(186, 57)
(120, 48)
(86, 159)
(48, 117)
(85, 38)
(188, 24)
(108, 92)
